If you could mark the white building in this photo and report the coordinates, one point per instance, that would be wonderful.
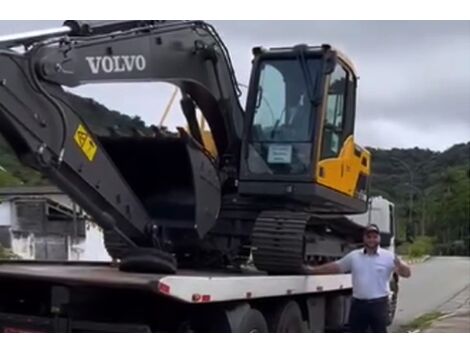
(39, 223)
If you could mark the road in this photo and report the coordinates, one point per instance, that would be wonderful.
(433, 284)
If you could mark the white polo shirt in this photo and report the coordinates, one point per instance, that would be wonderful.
(370, 273)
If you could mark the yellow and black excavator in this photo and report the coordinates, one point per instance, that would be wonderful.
(276, 183)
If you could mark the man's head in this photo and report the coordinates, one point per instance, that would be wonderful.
(371, 237)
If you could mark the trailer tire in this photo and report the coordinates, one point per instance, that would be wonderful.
(253, 321)
(286, 319)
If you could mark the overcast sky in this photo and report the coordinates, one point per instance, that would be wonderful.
(414, 87)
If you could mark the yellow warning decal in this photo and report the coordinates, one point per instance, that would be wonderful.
(85, 142)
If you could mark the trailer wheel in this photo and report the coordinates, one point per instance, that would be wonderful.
(286, 319)
(239, 319)
(253, 321)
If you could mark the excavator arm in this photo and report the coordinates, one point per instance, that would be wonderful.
(48, 133)
(189, 55)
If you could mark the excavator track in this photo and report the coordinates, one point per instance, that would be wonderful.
(279, 241)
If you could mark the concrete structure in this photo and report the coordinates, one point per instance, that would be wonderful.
(49, 192)
(40, 222)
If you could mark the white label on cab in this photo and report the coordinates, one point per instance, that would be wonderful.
(280, 154)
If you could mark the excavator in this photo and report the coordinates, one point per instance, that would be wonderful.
(274, 181)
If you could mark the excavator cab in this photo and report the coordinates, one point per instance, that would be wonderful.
(298, 141)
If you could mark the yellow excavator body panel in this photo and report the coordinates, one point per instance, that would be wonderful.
(343, 173)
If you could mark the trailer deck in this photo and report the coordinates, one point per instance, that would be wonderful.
(187, 286)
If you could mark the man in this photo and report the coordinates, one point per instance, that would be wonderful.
(371, 268)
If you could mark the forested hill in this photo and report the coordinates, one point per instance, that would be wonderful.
(439, 184)
(100, 119)
(392, 169)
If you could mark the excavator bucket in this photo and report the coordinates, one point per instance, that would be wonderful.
(172, 176)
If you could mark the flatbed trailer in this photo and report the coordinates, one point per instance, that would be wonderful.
(91, 296)
(97, 296)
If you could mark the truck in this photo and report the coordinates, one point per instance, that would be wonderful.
(98, 297)
(208, 230)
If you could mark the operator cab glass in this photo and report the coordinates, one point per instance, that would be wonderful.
(283, 117)
(299, 138)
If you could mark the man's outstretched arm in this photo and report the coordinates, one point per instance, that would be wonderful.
(338, 267)
(325, 269)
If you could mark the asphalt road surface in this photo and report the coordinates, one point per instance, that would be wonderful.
(432, 284)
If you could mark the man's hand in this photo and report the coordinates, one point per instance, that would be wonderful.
(397, 261)
(306, 270)
(401, 268)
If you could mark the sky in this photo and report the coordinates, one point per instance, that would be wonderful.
(414, 87)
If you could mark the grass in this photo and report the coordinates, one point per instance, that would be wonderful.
(422, 322)
(7, 179)
(7, 254)
(410, 257)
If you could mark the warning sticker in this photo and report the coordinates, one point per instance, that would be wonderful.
(85, 142)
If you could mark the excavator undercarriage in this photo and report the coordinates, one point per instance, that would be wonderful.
(286, 169)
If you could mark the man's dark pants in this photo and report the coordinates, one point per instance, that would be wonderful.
(367, 314)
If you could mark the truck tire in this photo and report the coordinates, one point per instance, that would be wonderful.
(252, 321)
(286, 319)
(393, 300)
(392, 308)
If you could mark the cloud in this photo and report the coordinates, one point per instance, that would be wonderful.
(414, 88)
